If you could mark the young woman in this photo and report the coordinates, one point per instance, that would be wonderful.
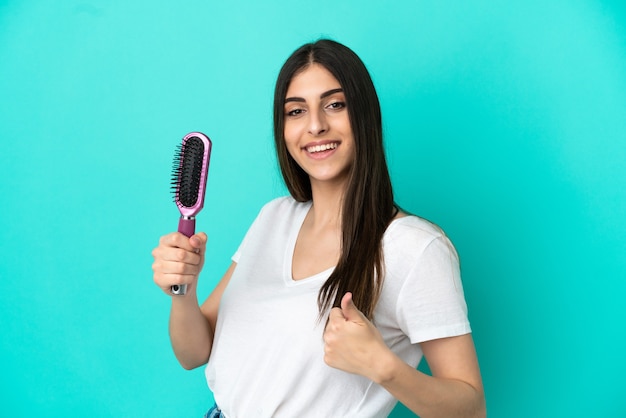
(334, 295)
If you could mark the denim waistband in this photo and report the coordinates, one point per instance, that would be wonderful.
(214, 412)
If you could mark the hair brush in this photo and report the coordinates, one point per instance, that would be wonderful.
(189, 176)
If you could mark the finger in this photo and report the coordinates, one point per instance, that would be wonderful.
(349, 309)
(198, 242)
(175, 267)
(178, 255)
(166, 281)
(346, 301)
(177, 240)
(347, 306)
(336, 313)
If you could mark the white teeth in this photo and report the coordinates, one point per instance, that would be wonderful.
(319, 148)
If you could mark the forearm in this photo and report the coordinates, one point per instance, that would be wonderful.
(428, 396)
(190, 332)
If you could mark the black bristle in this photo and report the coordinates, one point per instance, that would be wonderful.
(187, 171)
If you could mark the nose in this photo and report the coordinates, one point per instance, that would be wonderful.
(318, 125)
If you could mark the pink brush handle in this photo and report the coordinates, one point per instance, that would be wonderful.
(187, 227)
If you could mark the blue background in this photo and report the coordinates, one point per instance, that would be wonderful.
(505, 124)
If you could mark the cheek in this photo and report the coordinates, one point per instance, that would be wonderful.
(291, 134)
(345, 125)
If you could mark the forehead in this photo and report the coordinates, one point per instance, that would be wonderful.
(313, 80)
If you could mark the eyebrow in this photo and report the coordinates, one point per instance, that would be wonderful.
(323, 95)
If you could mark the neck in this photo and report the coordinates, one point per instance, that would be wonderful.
(327, 204)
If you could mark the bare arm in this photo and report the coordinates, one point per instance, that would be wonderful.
(353, 344)
(192, 327)
(454, 389)
(179, 260)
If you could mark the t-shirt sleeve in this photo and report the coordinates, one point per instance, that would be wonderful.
(255, 225)
(431, 303)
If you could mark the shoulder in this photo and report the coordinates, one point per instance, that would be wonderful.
(282, 205)
(281, 210)
(410, 240)
(413, 231)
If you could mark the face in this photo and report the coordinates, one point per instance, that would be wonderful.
(317, 128)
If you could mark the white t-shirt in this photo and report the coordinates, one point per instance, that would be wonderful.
(267, 358)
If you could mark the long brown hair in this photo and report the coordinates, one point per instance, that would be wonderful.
(368, 204)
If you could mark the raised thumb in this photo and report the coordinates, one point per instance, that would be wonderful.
(349, 309)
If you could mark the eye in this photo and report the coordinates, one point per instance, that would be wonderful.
(336, 105)
(294, 112)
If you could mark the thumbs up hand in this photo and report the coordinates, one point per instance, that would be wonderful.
(352, 343)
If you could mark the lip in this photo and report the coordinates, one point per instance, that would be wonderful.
(324, 142)
(320, 155)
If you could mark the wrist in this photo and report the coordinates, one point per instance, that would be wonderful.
(189, 298)
(386, 367)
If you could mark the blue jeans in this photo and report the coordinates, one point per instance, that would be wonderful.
(214, 413)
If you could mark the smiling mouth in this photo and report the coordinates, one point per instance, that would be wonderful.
(324, 147)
